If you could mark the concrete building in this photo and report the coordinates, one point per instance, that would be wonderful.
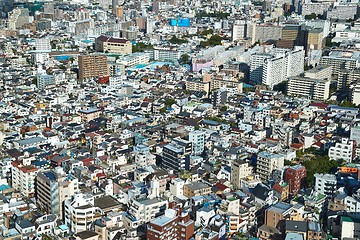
(275, 67)
(344, 150)
(51, 190)
(113, 45)
(341, 60)
(167, 54)
(198, 85)
(267, 163)
(239, 31)
(295, 176)
(177, 187)
(318, 89)
(265, 32)
(355, 94)
(197, 139)
(134, 59)
(23, 177)
(173, 225)
(349, 227)
(319, 72)
(346, 78)
(146, 210)
(355, 134)
(196, 189)
(176, 155)
(18, 17)
(92, 66)
(315, 39)
(325, 183)
(239, 169)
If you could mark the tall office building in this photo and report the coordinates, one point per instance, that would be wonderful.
(92, 66)
(52, 189)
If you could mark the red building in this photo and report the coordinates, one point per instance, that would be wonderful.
(295, 176)
(174, 224)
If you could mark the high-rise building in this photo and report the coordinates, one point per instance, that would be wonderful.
(239, 169)
(344, 150)
(176, 155)
(341, 60)
(18, 18)
(267, 163)
(265, 32)
(92, 66)
(310, 88)
(23, 177)
(295, 176)
(347, 77)
(276, 66)
(51, 190)
(197, 138)
(239, 31)
(315, 39)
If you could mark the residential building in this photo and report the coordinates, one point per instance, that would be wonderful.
(275, 67)
(196, 189)
(338, 60)
(310, 88)
(80, 212)
(51, 190)
(240, 169)
(346, 78)
(171, 225)
(197, 139)
(295, 176)
(146, 210)
(92, 66)
(325, 183)
(113, 45)
(23, 177)
(349, 227)
(266, 163)
(344, 150)
(176, 155)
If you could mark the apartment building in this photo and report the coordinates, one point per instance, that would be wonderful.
(92, 66)
(172, 225)
(23, 177)
(344, 150)
(80, 212)
(341, 60)
(51, 190)
(295, 176)
(276, 66)
(266, 163)
(346, 78)
(134, 59)
(168, 54)
(196, 189)
(265, 32)
(198, 86)
(310, 88)
(176, 155)
(18, 17)
(197, 139)
(240, 169)
(319, 72)
(325, 183)
(113, 45)
(146, 210)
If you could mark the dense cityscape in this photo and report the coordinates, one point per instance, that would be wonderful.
(179, 120)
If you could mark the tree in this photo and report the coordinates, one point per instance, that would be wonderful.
(281, 87)
(213, 41)
(175, 40)
(184, 59)
(311, 16)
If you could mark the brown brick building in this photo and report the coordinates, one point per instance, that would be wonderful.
(295, 176)
(92, 66)
(174, 224)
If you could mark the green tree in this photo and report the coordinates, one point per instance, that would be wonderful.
(175, 40)
(184, 59)
(311, 16)
(281, 87)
